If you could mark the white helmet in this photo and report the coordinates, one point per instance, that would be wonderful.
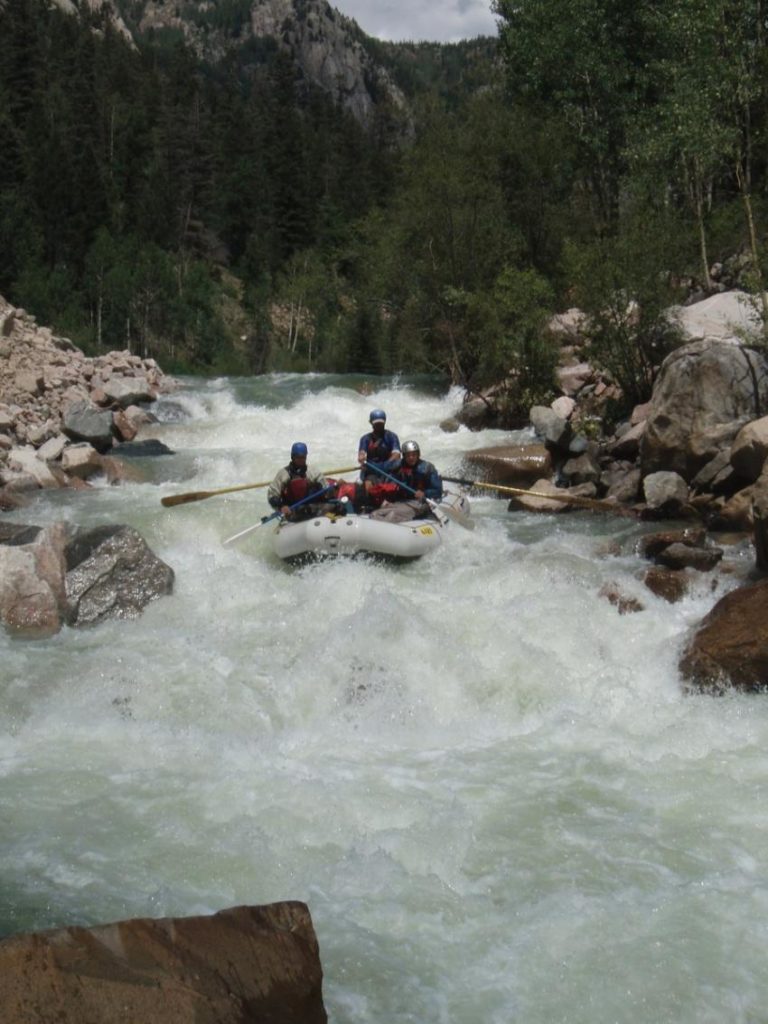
(410, 446)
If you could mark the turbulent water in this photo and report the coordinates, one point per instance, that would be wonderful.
(483, 780)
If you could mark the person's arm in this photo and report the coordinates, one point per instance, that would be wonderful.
(434, 488)
(316, 481)
(395, 455)
(275, 492)
(362, 450)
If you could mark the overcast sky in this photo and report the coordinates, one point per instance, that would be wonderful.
(445, 21)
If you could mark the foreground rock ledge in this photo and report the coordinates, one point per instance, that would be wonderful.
(243, 965)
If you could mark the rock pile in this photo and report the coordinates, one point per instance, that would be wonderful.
(61, 412)
(697, 451)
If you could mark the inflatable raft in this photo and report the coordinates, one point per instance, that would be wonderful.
(331, 535)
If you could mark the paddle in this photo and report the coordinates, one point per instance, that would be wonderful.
(437, 511)
(279, 514)
(182, 499)
(592, 503)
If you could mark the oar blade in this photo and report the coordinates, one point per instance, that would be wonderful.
(183, 499)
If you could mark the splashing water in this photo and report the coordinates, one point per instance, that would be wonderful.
(484, 781)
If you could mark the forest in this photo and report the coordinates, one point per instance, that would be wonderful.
(602, 154)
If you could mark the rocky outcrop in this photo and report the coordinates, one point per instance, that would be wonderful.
(730, 647)
(62, 574)
(54, 398)
(705, 393)
(106, 8)
(246, 965)
(325, 45)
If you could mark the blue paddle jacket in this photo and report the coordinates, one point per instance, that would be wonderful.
(421, 477)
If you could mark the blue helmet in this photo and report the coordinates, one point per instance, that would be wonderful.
(377, 416)
(298, 448)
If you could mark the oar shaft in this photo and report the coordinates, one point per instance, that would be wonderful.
(277, 514)
(170, 500)
(572, 499)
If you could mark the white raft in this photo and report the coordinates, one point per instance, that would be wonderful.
(331, 535)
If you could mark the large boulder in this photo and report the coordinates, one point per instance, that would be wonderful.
(706, 391)
(80, 576)
(726, 316)
(247, 965)
(759, 509)
(85, 422)
(514, 465)
(32, 578)
(112, 574)
(750, 449)
(730, 647)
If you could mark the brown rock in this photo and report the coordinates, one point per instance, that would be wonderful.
(32, 582)
(513, 465)
(125, 428)
(685, 556)
(730, 647)
(624, 603)
(538, 500)
(666, 583)
(654, 543)
(247, 965)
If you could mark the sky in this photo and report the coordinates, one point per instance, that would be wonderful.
(444, 21)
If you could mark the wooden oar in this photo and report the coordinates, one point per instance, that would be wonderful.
(592, 503)
(183, 499)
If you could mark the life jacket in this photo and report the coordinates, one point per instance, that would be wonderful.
(413, 477)
(378, 449)
(297, 487)
(379, 492)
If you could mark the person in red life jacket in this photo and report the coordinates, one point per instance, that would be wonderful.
(295, 482)
(381, 446)
(419, 483)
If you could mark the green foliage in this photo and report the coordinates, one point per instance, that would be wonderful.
(619, 284)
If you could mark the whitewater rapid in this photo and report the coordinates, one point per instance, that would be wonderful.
(485, 782)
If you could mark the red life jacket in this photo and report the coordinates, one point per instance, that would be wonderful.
(295, 490)
(379, 492)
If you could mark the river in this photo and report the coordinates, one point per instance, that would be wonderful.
(485, 782)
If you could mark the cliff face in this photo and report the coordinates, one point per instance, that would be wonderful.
(103, 7)
(324, 45)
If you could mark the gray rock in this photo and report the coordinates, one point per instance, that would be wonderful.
(664, 489)
(112, 573)
(581, 470)
(84, 422)
(704, 393)
(554, 429)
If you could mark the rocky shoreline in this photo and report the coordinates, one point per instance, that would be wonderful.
(62, 413)
(697, 452)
